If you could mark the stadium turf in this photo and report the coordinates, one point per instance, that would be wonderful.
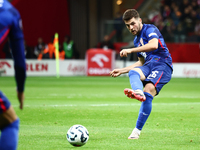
(53, 105)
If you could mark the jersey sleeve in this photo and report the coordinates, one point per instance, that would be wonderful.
(151, 33)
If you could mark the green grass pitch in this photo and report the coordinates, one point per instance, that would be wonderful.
(53, 105)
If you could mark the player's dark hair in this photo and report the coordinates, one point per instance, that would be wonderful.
(129, 14)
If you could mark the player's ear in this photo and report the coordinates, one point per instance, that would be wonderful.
(140, 20)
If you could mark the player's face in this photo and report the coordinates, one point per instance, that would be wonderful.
(134, 25)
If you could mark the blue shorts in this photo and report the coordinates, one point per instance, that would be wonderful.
(4, 103)
(158, 73)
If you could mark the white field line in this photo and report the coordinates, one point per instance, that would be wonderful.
(121, 95)
(187, 97)
(108, 105)
(107, 96)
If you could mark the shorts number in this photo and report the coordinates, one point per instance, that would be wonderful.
(153, 75)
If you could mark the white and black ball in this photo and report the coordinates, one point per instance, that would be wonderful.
(77, 135)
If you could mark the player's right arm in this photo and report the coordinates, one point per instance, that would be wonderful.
(118, 72)
(150, 46)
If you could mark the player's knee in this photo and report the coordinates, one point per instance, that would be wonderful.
(10, 114)
(150, 88)
(133, 72)
(138, 71)
(8, 117)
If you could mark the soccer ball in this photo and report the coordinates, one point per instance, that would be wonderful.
(77, 135)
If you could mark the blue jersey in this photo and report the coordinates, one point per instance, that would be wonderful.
(11, 27)
(161, 54)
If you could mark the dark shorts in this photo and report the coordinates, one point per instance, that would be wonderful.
(158, 73)
(4, 103)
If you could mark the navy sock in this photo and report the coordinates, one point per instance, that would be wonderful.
(135, 81)
(145, 111)
(9, 136)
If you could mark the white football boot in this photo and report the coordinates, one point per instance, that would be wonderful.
(135, 134)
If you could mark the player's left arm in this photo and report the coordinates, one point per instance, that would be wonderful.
(150, 46)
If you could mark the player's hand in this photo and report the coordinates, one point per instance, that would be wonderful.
(20, 96)
(125, 52)
(115, 73)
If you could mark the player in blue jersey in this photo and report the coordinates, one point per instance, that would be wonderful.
(10, 26)
(152, 70)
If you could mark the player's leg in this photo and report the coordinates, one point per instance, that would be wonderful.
(9, 125)
(146, 106)
(159, 76)
(135, 77)
(145, 110)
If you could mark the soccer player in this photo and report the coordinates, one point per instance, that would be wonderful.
(152, 70)
(10, 26)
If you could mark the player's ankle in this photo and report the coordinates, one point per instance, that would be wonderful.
(137, 130)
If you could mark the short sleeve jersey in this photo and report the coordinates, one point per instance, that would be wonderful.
(161, 54)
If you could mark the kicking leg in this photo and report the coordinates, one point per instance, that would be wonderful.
(136, 92)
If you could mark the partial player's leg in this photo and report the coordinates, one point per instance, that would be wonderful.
(159, 76)
(145, 110)
(7, 117)
(135, 77)
(9, 125)
(136, 92)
